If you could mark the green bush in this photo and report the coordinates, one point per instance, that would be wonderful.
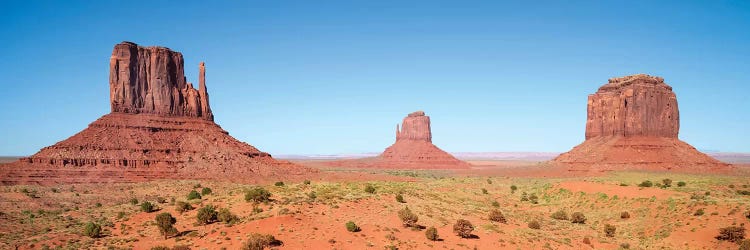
(513, 189)
(98, 204)
(165, 223)
(134, 201)
(495, 204)
(681, 183)
(257, 194)
(560, 215)
(370, 189)
(194, 195)
(646, 184)
(578, 217)
(484, 191)
(279, 184)
(534, 224)
(400, 198)
(463, 228)
(258, 241)
(743, 192)
(732, 234)
(206, 215)
(306, 182)
(624, 215)
(351, 227)
(699, 212)
(147, 207)
(609, 230)
(227, 216)
(497, 216)
(408, 218)
(432, 234)
(182, 207)
(206, 191)
(666, 183)
(92, 230)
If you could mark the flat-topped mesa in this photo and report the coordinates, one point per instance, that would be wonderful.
(415, 127)
(636, 105)
(152, 80)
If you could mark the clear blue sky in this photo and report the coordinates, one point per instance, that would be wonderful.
(320, 77)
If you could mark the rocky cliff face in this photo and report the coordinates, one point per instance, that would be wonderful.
(151, 80)
(637, 105)
(415, 127)
(633, 123)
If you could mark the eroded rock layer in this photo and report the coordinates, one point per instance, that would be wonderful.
(633, 123)
(159, 128)
(414, 149)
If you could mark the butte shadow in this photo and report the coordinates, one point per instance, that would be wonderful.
(633, 123)
(160, 127)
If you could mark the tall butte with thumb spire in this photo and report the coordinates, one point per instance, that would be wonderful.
(160, 126)
(633, 123)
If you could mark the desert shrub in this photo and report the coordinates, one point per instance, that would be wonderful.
(534, 224)
(497, 216)
(134, 201)
(160, 248)
(484, 191)
(98, 204)
(731, 185)
(646, 184)
(400, 198)
(227, 216)
(180, 247)
(206, 215)
(733, 234)
(370, 189)
(560, 215)
(193, 195)
(182, 206)
(306, 182)
(609, 230)
(432, 234)
(745, 245)
(666, 183)
(147, 207)
(258, 241)
(489, 181)
(495, 204)
(408, 218)
(578, 217)
(351, 227)
(747, 214)
(524, 196)
(312, 195)
(696, 196)
(206, 191)
(681, 183)
(533, 199)
(120, 215)
(624, 215)
(161, 200)
(699, 212)
(513, 189)
(625, 245)
(279, 184)
(92, 230)
(743, 192)
(463, 228)
(165, 223)
(197, 185)
(257, 194)
(586, 241)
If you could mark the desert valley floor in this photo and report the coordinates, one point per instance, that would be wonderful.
(313, 213)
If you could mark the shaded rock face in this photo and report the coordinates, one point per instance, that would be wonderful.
(415, 127)
(633, 123)
(160, 127)
(151, 80)
(414, 149)
(637, 105)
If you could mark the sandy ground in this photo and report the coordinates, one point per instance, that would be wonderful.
(661, 218)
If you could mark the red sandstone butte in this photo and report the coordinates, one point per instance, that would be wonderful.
(160, 127)
(633, 123)
(413, 148)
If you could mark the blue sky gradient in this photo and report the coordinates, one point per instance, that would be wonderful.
(328, 77)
